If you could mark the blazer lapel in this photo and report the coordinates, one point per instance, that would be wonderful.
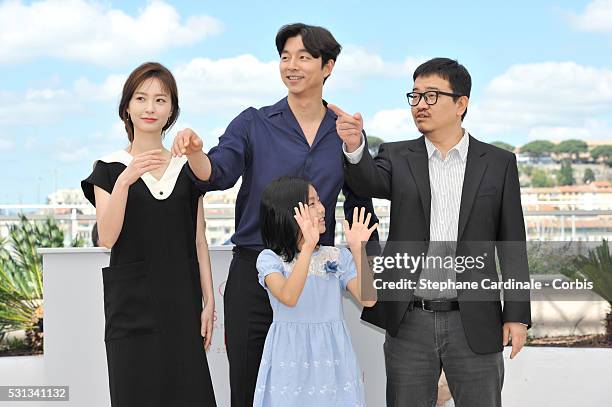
(474, 170)
(419, 165)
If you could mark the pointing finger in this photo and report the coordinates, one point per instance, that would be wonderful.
(339, 112)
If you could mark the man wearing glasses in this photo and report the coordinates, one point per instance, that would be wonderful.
(446, 189)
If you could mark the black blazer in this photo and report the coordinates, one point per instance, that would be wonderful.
(490, 210)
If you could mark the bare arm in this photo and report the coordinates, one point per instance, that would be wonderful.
(367, 298)
(229, 157)
(110, 208)
(110, 212)
(206, 282)
(188, 143)
(356, 234)
(288, 290)
(200, 165)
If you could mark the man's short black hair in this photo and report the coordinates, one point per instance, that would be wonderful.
(450, 70)
(318, 41)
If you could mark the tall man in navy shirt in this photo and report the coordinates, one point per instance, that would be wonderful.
(296, 136)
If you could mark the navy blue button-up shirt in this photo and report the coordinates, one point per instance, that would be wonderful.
(264, 144)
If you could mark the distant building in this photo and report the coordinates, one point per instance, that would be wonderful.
(564, 212)
(67, 197)
(595, 196)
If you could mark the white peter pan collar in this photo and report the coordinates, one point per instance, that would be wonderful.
(160, 189)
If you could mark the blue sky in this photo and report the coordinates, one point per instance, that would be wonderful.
(539, 69)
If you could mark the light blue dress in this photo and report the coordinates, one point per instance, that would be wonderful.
(308, 358)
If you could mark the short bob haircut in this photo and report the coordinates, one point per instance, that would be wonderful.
(279, 229)
(452, 71)
(144, 72)
(318, 41)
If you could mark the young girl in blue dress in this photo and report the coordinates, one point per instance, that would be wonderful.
(308, 357)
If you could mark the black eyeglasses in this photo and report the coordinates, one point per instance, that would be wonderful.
(431, 96)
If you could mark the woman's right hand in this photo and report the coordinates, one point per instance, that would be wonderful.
(308, 226)
(142, 163)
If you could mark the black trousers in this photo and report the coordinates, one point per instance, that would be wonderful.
(248, 316)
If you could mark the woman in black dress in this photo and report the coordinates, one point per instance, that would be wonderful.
(151, 216)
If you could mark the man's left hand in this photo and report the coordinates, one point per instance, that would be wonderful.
(518, 333)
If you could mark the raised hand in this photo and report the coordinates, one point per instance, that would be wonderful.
(359, 231)
(308, 226)
(186, 142)
(142, 163)
(349, 127)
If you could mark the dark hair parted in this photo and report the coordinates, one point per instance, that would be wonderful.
(279, 229)
(144, 72)
(318, 41)
(452, 71)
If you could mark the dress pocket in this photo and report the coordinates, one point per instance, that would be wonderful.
(128, 303)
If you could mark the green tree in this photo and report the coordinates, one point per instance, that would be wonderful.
(503, 145)
(21, 276)
(572, 147)
(538, 148)
(589, 176)
(565, 176)
(540, 179)
(604, 152)
(596, 267)
(525, 169)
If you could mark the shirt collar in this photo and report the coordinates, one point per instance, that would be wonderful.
(283, 106)
(461, 147)
(279, 107)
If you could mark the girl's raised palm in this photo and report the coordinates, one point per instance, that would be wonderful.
(359, 231)
(308, 226)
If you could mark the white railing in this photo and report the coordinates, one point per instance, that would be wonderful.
(559, 225)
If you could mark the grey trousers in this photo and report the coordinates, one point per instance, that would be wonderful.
(428, 341)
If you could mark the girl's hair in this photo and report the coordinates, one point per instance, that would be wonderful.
(144, 72)
(279, 230)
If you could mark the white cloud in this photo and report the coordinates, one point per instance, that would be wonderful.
(70, 151)
(6, 145)
(217, 131)
(357, 63)
(30, 143)
(94, 32)
(550, 100)
(112, 135)
(558, 133)
(109, 90)
(206, 85)
(592, 130)
(392, 124)
(545, 95)
(51, 105)
(227, 83)
(596, 17)
(36, 106)
(238, 82)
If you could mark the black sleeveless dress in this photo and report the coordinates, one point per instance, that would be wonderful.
(152, 292)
